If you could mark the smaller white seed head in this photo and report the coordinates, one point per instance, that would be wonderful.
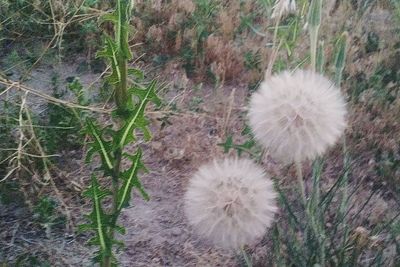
(231, 202)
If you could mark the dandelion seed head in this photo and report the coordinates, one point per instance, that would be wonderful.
(231, 202)
(297, 116)
(283, 7)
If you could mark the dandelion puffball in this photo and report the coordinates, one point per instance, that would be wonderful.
(231, 202)
(283, 7)
(297, 116)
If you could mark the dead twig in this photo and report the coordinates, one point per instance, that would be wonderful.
(26, 89)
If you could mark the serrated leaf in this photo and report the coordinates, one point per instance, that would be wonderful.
(99, 145)
(146, 94)
(120, 229)
(137, 120)
(123, 12)
(110, 52)
(130, 180)
(137, 73)
(99, 219)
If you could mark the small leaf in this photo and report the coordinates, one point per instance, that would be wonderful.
(111, 17)
(120, 229)
(137, 119)
(99, 219)
(146, 94)
(130, 180)
(137, 73)
(110, 52)
(340, 58)
(228, 144)
(99, 145)
(123, 12)
(314, 14)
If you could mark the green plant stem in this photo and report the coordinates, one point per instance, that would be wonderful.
(275, 49)
(313, 46)
(121, 91)
(246, 258)
(115, 211)
(121, 100)
(115, 183)
(299, 175)
(314, 22)
(310, 213)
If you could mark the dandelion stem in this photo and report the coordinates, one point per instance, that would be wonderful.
(246, 257)
(314, 21)
(313, 44)
(301, 182)
(275, 48)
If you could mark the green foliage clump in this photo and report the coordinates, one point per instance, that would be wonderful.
(65, 124)
(62, 24)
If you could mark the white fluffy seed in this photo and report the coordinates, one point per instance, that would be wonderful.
(231, 202)
(297, 116)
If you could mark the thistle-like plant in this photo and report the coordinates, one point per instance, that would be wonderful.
(109, 142)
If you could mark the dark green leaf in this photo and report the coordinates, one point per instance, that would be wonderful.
(99, 145)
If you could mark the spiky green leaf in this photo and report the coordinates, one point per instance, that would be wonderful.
(110, 52)
(131, 180)
(138, 74)
(228, 144)
(100, 146)
(137, 119)
(123, 12)
(99, 220)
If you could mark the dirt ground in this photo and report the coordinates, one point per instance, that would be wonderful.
(157, 230)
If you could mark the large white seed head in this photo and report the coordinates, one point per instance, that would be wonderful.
(297, 116)
(231, 202)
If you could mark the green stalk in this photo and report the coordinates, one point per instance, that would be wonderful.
(320, 58)
(121, 91)
(124, 8)
(314, 22)
(246, 257)
(127, 118)
(121, 100)
(299, 175)
(340, 58)
(115, 211)
(313, 44)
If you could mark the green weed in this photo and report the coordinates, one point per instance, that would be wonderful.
(109, 144)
